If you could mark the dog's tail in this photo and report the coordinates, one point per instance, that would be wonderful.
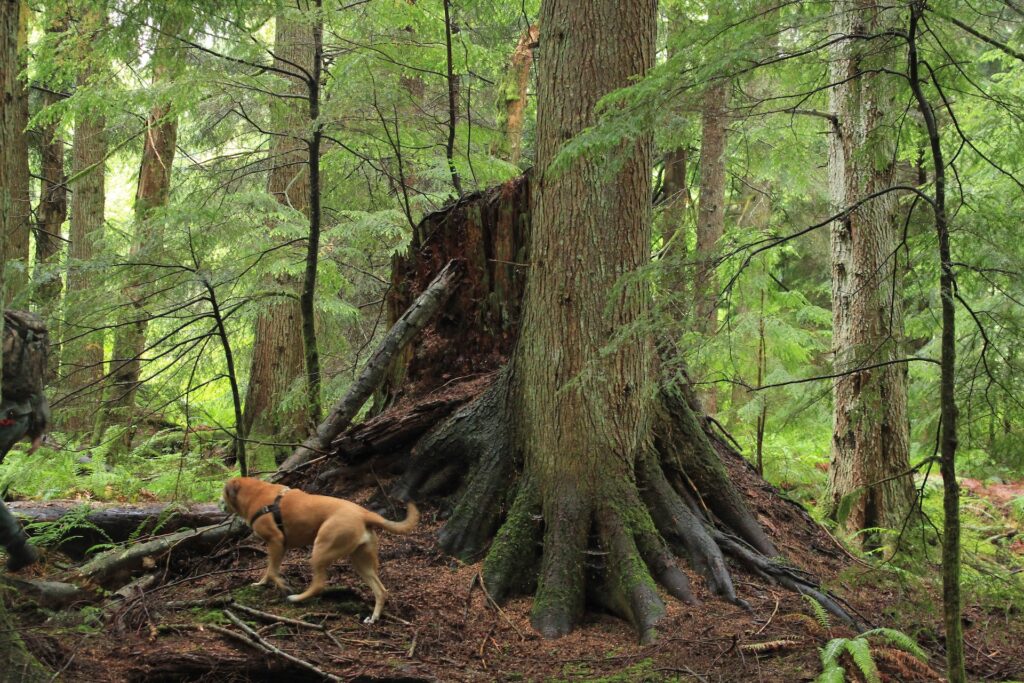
(412, 518)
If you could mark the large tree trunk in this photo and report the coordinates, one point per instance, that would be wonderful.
(153, 192)
(14, 189)
(278, 358)
(870, 440)
(82, 350)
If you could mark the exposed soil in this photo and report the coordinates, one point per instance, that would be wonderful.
(440, 626)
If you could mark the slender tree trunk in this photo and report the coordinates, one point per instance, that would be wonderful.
(153, 192)
(278, 355)
(514, 94)
(453, 99)
(870, 441)
(952, 602)
(82, 350)
(15, 189)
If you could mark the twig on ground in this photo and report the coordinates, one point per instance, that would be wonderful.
(774, 612)
(480, 578)
(261, 642)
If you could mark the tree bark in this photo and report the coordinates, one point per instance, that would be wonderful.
(153, 191)
(15, 206)
(870, 439)
(51, 214)
(278, 356)
(82, 349)
(710, 213)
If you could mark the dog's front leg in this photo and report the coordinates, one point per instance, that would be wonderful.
(275, 554)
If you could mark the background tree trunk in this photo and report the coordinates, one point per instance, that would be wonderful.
(51, 214)
(278, 359)
(82, 350)
(15, 187)
(710, 213)
(870, 441)
(153, 191)
(514, 93)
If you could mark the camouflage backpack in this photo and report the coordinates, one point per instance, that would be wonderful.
(26, 348)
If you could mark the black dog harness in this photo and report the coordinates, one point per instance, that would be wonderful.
(272, 509)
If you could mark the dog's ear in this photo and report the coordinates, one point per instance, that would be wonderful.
(231, 490)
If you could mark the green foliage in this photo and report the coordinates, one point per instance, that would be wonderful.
(821, 615)
(146, 473)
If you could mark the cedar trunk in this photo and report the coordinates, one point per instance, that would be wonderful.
(870, 439)
(278, 357)
(52, 212)
(82, 350)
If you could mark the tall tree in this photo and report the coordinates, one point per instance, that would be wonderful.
(82, 351)
(153, 190)
(16, 205)
(870, 439)
(278, 360)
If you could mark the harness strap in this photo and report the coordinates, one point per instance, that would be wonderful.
(273, 509)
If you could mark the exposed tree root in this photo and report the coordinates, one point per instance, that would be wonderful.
(612, 546)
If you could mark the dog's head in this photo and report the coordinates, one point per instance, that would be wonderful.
(229, 501)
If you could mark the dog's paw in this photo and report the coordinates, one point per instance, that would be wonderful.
(295, 598)
(369, 620)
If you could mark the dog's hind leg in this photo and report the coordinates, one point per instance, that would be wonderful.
(324, 555)
(366, 563)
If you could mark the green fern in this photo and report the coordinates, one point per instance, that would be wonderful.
(831, 672)
(860, 650)
(898, 639)
(820, 613)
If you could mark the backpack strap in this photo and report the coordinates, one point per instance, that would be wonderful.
(272, 509)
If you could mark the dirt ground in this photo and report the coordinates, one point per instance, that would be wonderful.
(439, 624)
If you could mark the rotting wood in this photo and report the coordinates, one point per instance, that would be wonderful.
(401, 333)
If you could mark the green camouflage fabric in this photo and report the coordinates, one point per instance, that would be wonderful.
(24, 411)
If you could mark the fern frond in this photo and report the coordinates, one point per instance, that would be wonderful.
(830, 653)
(908, 667)
(811, 624)
(860, 651)
(820, 613)
(832, 673)
(898, 639)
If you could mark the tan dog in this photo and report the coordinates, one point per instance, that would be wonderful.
(336, 528)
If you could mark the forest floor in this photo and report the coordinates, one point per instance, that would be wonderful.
(439, 624)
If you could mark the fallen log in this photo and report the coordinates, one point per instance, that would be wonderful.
(401, 333)
(116, 567)
(86, 525)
